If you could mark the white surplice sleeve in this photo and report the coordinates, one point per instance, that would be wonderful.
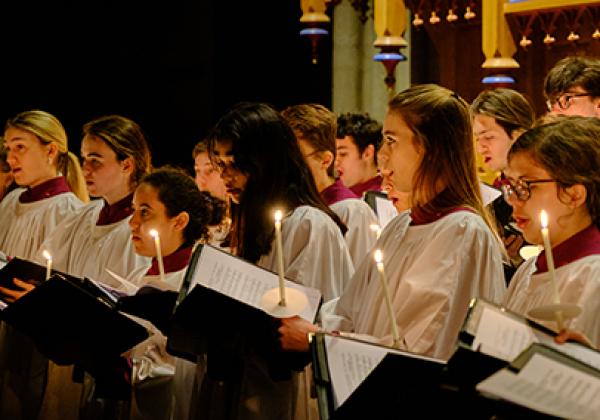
(315, 253)
(25, 226)
(358, 217)
(433, 272)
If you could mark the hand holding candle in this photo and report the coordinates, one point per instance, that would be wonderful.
(161, 266)
(48, 258)
(386, 294)
(280, 268)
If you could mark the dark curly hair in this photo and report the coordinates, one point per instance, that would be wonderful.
(363, 129)
(178, 192)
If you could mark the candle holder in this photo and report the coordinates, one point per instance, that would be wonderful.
(295, 302)
(564, 311)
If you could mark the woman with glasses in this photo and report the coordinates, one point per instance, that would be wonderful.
(439, 255)
(554, 167)
(500, 116)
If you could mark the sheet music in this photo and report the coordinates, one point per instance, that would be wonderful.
(245, 282)
(548, 386)
(488, 194)
(502, 336)
(385, 211)
(351, 361)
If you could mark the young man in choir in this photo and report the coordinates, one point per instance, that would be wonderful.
(572, 87)
(207, 176)
(438, 256)
(358, 139)
(554, 167)
(263, 170)
(500, 116)
(315, 128)
(51, 189)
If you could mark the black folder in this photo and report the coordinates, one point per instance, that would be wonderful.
(371, 196)
(71, 320)
(207, 321)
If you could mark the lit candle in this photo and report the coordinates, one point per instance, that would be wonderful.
(386, 294)
(550, 260)
(279, 244)
(161, 267)
(48, 258)
(377, 229)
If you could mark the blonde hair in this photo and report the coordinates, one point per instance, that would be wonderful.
(48, 129)
(441, 122)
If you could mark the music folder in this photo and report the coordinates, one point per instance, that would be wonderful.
(218, 310)
(382, 206)
(71, 320)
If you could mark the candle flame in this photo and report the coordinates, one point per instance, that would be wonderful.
(378, 256)
(153, 233)
(46, 254)
(375, 227)
(544, 219)
(278, 215)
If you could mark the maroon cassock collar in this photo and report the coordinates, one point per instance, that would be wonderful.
(336, 192)
(46, 189)
(176, 261)
(583, 244)
(373, 184)
(421, 218)
(116, 212)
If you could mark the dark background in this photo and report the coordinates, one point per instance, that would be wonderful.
(173, 67)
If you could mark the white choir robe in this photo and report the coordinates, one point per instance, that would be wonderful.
(358, 218)
(315, 255)
(154, 379)
(578, 283)
(25, 226)
(433, 271)
(81, 248)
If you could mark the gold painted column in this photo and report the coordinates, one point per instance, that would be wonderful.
(497, 44)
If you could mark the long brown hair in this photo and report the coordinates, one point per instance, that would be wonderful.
(447, 175)
(508, 107)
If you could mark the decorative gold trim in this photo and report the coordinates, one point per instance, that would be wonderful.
(545, 5)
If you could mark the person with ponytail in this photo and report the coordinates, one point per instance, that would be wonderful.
(51, 190)
(115, 156)
(440, 254)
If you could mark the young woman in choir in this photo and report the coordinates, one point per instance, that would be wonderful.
(6, 178)
(437, 256)
(315, 128)
(263, 169)
(500, 116)
(51, 189)
(554, 167)
(168, 201)
(114, 156)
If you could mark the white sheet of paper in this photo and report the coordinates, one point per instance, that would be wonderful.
(548, 386)
(351, 361)
(501, 336)
(243, 281)
(385, 211)
(488, 194)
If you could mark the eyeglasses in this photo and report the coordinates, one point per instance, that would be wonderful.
(564, 101)
(520, 188)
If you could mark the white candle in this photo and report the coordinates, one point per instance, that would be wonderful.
(280, 268)
(161, 266)
(386, 294)
(48, 258)
(550, 260)
(377, 229)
